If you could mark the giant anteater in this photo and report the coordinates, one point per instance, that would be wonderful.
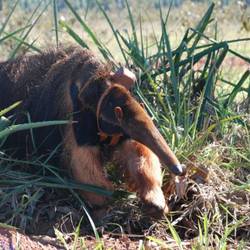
(73, 84)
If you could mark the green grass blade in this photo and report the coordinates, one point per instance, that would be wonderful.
(193, 128)
(113, 30)
(141, 39)
(15, 51)
(60, 237)
(132, 23)
(104, 51)
(13, 33)
(233, 85)
(210, 83)
(173, 76)
(205, 228)
(54, 183)
(146, 103)
(158, 242)
(22, 42)
(134, 53)
(73, 34)
(175, 234)
(201, 28)
(8, 18)
(6, 110)
(30, 19)
(237, 88)
(245, 58)
(55, 10)
(228, 230)
(15, 128)
(193, 59)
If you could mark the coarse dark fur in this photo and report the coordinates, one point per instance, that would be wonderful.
(40, 82)
(67, 84)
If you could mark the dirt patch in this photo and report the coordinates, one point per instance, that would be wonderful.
(11, 238)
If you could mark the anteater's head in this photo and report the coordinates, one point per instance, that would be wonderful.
(117, 107)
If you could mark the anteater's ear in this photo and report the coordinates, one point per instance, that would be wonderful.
(143, 105)
(118, 113)
(123, 76)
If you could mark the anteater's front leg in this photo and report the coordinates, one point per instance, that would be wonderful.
(142, 170)
(86, 166)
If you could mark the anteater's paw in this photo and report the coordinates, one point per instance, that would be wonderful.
(154, 203)
(154, 211)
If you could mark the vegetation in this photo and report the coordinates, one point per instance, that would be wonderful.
(200, 105)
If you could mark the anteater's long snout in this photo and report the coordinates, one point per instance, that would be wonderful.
(142, 129)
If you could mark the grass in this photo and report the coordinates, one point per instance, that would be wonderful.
(200, 108)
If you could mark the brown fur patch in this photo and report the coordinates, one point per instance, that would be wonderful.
(142, 170)
(86, 166)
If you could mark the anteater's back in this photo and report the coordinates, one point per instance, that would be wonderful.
(36, 80)
(20, 77)
(42, 81)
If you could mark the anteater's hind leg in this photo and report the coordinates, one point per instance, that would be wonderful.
(86, 166)
(142, 171)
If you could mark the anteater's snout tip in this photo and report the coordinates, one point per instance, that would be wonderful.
(179, 169)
